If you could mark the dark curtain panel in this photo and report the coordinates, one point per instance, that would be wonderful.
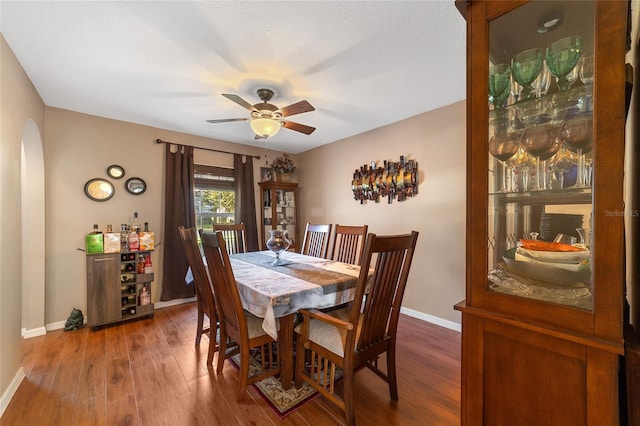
(179, 210)
(245, 198)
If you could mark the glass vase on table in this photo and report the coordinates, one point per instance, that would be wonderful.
(277, 243)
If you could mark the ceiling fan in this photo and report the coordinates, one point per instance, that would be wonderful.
(266, 119)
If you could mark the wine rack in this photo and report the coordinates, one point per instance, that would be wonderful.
(116, 291)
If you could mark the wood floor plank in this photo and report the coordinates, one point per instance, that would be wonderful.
(90, 411)
(149, 372)
(119, 381)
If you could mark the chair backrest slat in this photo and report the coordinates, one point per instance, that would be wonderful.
(204, 291)
(384, 292)
(316, 240)
(234, 237)
(348, 243)
(224, 283)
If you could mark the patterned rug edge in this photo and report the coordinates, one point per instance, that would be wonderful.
(282, 402)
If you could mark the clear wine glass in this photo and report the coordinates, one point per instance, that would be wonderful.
(520, 163)
(577, 133)
(537, 140)
(542, 82)
(499, 84)
(525, 67)
(586, 76)
(562, 57)
(503, 147)
(560, 161)
(516, 89)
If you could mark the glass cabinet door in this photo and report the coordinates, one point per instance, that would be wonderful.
(279, 211)
(541, 144)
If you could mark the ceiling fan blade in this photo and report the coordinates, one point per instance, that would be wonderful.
(307, 130)
(297, 108)
(237, 99)
(227, 120)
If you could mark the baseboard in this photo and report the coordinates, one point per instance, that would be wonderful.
(56, 325)
(433, 320)
(11, 390)
(27, 334)
(166, 304)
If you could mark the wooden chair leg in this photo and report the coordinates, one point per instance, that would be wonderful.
(300, 359)
(244, 372)
(200, 324)
(391, 374)
(349, 407)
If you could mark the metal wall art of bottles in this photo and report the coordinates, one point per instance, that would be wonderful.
(397, 180)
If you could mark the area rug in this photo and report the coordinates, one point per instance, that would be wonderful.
(283, 402)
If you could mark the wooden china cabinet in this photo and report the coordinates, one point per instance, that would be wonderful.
(279, 201)
(542, 331)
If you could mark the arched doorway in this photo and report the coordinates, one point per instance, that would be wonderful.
(33, 226)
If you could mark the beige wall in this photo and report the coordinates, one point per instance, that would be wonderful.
(436, 140)
(81, 147)
(20, 106)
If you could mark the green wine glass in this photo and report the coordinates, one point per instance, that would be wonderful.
(525, 68)
(499, 84)
(562, 57)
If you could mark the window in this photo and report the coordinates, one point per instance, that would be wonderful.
(215, 198)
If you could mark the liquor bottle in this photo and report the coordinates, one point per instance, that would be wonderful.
(109, 228)
(124, 238)
(135, 225)
(95, 230)
(146, 227)
(140, 265)
(134, 241)
(145, 297)
(148, 267)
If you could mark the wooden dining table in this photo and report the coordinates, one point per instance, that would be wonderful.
(276, 293)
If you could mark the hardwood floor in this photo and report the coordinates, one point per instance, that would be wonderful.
(149, 372)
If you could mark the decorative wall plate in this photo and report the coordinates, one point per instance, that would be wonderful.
(135, 185)
(98, 189)
(115, 171)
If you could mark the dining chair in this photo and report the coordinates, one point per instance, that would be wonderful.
(316, 240)
(234, 237)
(355, 337)
(204, 293)
(348, 243)
(241, 326)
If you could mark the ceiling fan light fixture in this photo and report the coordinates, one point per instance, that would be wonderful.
(265, 127)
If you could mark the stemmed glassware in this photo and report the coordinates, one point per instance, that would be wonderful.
(525, 67)
(586, 76)
(560, 161)
(499, 84)
(576, 133)
(520, 163)
(502, 147)
(538, 140)
(562, 57)
(542, 82)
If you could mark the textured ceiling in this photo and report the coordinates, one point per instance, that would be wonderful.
(361, 64)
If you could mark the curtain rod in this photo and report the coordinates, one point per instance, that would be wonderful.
(257, 157)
